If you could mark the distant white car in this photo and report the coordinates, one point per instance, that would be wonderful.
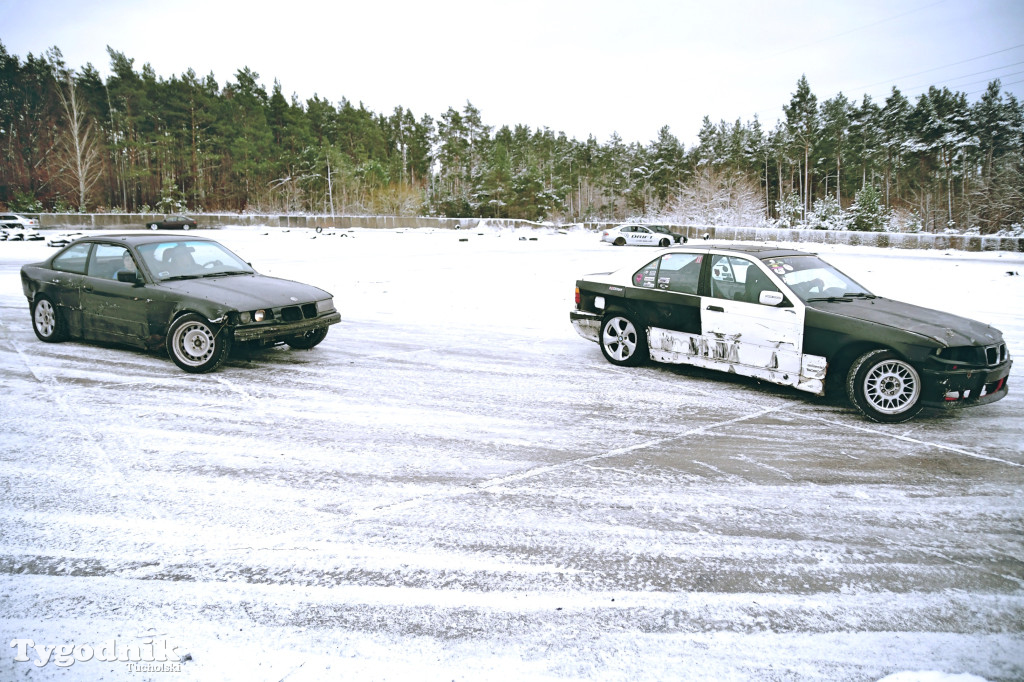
(637, 235)
(14, 221)
(64, 238)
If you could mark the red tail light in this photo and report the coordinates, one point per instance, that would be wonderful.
(577, 297)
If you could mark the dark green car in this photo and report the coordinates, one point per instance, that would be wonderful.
(190, 295)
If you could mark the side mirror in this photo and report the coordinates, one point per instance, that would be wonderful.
(770, 298)
(129, 277)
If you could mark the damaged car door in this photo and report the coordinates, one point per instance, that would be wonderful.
(750, 327)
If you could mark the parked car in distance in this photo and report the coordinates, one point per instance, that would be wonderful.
(678, 237)
(64, 238)
(173, 222)
(15, 221)
(191, 296)
(790, 318)
(630, 233)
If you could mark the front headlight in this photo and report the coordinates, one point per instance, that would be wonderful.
(259, 315)
(244, 318)
(325, 306)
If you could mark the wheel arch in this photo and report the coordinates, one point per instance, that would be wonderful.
(219, 317)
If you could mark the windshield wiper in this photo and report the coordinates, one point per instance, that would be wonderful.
(223, 274)
(848, 296)
(177, 277)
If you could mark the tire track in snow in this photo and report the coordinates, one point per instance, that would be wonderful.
(496, 483)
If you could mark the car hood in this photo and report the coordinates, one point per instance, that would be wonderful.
(945, 329)
(247, 292)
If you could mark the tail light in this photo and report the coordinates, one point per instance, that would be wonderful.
(577, 297)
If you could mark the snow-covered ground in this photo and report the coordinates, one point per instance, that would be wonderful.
(455, 486)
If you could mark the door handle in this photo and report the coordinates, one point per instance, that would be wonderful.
(716, 309)
(87, 290)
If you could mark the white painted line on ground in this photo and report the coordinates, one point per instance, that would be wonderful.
(916, 441)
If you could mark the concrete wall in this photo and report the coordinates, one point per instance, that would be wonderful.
(107, 221)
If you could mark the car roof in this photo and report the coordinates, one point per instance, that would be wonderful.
(134, 239)
(760, 251)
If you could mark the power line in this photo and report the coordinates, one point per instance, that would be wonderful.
(854, 30)
(1002, 87)
(938, 68)
(949, 82)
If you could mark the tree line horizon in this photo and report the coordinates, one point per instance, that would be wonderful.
(136, 142)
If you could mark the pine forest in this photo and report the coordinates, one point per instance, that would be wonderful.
(137, 142)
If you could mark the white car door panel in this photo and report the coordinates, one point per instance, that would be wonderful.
(750, 338)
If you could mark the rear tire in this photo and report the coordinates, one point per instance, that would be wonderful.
(884, 387)
(619, 242)
(47, 322)
(308, 340)
(154, 226)
(195, 345)
(622, 340)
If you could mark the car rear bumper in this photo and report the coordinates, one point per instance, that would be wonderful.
(268, 333)
(587, 325)
(965, 387)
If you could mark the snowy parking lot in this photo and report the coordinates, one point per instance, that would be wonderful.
(455, 486)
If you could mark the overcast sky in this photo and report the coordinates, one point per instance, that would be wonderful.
(585, 67)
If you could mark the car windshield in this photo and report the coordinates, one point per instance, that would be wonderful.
(187, 259)
(812, 279)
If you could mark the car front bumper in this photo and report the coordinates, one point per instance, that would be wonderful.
(269, 333)
(966, 387)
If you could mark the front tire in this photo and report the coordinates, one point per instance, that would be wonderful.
(884, 387)
(623, 342)
(47, 322)
(308, 340)
(665, 243)
(154, 226)
(195, 345)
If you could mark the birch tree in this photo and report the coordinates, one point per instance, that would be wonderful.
(78, 155)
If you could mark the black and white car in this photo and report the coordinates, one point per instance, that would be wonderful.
(790, 318)
(639, 235)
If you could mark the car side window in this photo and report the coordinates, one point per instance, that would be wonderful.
(73, 260)
(680, 272)
(738, 279)
(108, 259)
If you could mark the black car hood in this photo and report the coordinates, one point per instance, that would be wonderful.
(946, 329)
(247, 292)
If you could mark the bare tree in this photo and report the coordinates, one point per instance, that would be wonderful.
(714, 197)
(78, 156)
